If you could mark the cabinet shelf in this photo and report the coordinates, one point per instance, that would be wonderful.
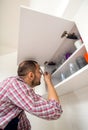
(78, 52)
(75, 81)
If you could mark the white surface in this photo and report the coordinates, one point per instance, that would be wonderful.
(75, 107)
(9, 23)
(8, 65)
(54, 7)
(74, 82)
(40, 35)
(82, 21)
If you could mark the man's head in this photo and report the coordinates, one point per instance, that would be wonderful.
(30, 71)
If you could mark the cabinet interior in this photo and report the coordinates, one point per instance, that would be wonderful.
(66, 46)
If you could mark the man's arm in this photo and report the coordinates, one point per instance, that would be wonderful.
(52, 94)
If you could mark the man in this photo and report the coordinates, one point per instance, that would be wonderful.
(17, 96)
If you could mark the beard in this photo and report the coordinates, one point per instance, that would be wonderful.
(35, 81)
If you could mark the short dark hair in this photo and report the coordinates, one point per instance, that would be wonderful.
(26, 66)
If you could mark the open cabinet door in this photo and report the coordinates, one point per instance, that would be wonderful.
(40, 35)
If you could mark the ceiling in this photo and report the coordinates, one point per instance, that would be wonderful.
(9, 24)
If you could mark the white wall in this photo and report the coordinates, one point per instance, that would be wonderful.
(40, 124)
(54, 7)
(9, 21)
(82, 21)
(8, 65)
(75, 106)
(77, 11)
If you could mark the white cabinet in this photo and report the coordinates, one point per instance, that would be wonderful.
(40, 39)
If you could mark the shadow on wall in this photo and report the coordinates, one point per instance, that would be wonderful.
(8, 65)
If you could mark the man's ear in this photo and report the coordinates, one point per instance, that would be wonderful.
(31, 76)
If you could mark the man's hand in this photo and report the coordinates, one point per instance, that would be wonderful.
(52, 94)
